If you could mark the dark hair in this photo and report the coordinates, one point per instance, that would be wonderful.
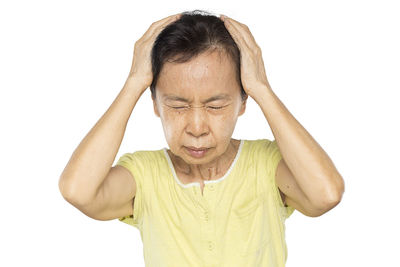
(195, 32)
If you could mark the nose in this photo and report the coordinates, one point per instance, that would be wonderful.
(197, 122)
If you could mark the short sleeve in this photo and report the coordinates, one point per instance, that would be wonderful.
(272, 158)
(135, 164)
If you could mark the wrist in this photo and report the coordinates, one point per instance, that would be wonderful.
(258, 89)
(134, 84)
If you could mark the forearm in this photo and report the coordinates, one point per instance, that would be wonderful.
(93, 158)
(312, 168)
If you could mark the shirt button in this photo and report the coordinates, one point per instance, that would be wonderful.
(206, 216)
(211, 187)
(210, 245)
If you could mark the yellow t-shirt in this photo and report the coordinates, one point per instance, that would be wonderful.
(238, 221)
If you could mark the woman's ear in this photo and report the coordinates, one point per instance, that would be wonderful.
(155, 107)
(243, 106)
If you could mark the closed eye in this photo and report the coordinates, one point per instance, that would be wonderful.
(212, 107)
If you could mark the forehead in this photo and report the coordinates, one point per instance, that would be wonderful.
(208, 73)
(172, 97)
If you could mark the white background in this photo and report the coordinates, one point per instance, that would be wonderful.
(334, 64)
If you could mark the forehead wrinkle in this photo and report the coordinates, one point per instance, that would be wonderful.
(210, 99)
(208, 66)
(197, 71)
(214, 70)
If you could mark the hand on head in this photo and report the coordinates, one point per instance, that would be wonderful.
(141, 63)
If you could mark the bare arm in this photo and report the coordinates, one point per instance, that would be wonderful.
(306, 175)
(92, 159)
(89, 182)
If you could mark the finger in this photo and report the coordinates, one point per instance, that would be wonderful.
(157, 26)
(236, 34)
(244, 31)
(166, 19)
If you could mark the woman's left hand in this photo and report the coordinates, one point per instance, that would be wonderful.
(252, 69)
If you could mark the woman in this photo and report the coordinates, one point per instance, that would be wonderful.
(209, 200)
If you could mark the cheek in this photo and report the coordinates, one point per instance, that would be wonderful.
(172, 124)
(225, 124)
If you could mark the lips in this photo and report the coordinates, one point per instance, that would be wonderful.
(197, 152)
(197, 148)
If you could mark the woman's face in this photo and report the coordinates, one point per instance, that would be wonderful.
(198, 103)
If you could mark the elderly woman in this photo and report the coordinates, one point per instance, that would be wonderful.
(208, 200)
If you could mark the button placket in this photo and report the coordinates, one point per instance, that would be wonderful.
(206, 215)
(207, 220)
(210, 245)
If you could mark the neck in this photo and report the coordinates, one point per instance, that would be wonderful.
(212, 170)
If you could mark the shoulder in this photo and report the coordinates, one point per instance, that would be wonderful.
(262, 147)
(142, 155)
(266, 154)
(258, 142)
(141, 161)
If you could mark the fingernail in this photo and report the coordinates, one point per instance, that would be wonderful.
(224, 17)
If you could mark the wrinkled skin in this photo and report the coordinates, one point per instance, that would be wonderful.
(197, 124)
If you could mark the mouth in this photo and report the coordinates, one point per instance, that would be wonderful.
(197, 152)
(196, 149)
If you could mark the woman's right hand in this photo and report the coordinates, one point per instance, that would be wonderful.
(141, 64)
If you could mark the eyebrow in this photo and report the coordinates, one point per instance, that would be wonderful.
(213, 98)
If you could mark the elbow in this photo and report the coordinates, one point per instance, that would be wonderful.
(67, 194)
(328, 207)
(322, 208)
(338, 192)
(64, 188)
(72, 193)
(330, 200)
(334, 193)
